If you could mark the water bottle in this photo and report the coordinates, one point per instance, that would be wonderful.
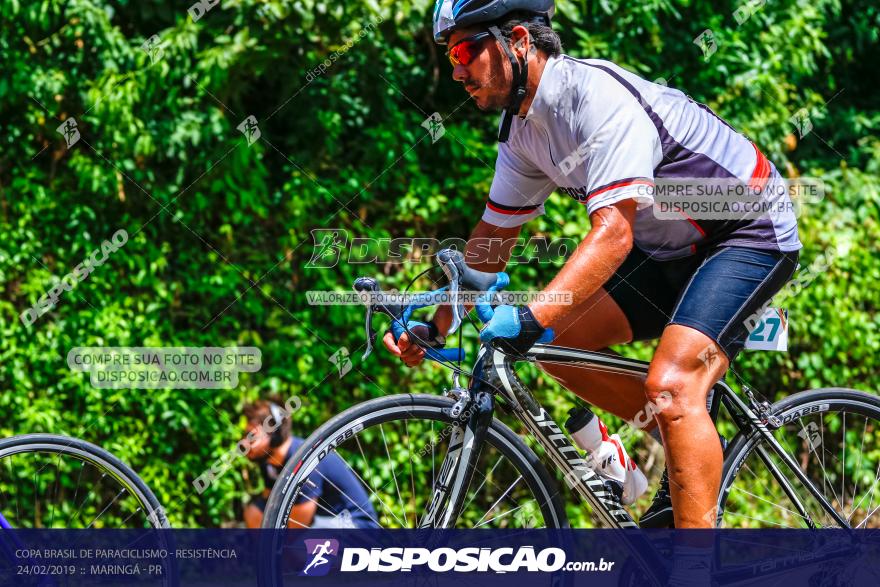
(606, 454)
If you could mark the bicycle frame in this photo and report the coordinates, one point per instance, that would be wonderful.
(493, 375)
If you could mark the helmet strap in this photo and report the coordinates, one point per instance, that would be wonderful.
(517, 88)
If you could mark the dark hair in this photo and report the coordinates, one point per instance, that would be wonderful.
(258, 411)
(543, 37)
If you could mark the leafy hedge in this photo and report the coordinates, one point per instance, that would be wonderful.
(219, 231)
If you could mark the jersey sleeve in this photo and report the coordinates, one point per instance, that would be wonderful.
(518, 190)
(623, 150)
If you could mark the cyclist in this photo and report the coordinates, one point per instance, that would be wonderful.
(605, 137)
(333, 488)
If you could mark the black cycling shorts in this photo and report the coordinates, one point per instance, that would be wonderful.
(714, 292)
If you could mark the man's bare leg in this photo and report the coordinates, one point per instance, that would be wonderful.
(686, 365)
(598, 324)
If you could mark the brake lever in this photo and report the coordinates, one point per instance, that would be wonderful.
(454, 276)
(371, 334)
(363, 285)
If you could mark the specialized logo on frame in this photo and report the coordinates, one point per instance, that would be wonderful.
(321, 552)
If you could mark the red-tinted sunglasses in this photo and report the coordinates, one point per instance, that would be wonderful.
(467, 49)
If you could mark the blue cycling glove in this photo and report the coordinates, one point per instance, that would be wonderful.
(515, 330)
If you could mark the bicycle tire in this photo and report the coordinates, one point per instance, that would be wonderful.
(108, 463)
(394, 408)
(387, 409)
(793, 408)
(97, 456)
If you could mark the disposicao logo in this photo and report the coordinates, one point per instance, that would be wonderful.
(321, 552)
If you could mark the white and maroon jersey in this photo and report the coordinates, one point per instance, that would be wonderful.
(602, 134)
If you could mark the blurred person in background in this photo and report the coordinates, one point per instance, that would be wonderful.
(333, 498)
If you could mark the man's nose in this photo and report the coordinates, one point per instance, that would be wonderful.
(460, 73)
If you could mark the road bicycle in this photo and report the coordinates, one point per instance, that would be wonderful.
(58, 482)
(810, 460)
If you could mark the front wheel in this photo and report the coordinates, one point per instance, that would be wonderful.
(391, 450)
(833, 436)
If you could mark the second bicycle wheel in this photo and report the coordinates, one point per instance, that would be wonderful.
(395, 446)
(834, 437)
(51, 482)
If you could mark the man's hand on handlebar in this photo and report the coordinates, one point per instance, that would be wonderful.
(515, 330)
(424, 340)
(407, 348)
(409, 352)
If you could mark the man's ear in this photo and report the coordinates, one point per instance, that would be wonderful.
(522, 42)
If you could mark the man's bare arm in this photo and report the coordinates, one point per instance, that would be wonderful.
(594, 261)
(489, 247)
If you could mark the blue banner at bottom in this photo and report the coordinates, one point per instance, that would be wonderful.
(459, 558)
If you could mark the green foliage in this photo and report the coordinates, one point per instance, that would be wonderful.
(220, 231)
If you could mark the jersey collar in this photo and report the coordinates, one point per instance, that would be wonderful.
(545, 99)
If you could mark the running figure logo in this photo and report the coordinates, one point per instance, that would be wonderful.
(69, 131)
(250, 130)
(318, 551)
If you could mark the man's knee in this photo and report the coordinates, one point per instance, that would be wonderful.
(671, 392)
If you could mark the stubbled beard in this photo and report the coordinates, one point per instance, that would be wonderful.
(498, 99)
(495, 101)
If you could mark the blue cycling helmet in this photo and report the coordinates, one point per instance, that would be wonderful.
(450, 15)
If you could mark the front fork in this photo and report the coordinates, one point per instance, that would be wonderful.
(472, 415)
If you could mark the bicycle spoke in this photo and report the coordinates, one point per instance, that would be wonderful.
(100, 481)
(369, 486)
(873, 488)
(824, 477)
(760, 520)
(11, 476)
(412, 478)
(75, 493)
(811, 448)
(347, 496)
(485, 478)
(871, 513)
(370, 489)
(131, 515)
(57, 483)
(764, 484)
(507, 513)
(106, 508)
(859, 467)
(770, 502)
(36, 509)
(393, 472)
(497, 501)
(843, 468)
